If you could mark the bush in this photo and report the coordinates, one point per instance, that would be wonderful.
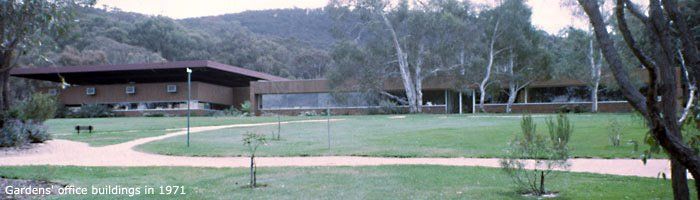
(36, 132)
(39, 108)
(12, 134)
(308, 113)
(615, 133)
(232, 111)
(158, 114)
(547, 153)
(388, 107)
(246, 108)
(94, 110)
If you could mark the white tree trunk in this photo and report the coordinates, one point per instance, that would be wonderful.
(691, 84)
(595, 76)
(419, 78)
(512, 88)
(489, 66)
(403, 67)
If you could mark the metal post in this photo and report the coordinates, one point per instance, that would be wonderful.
(328, 126)
(189, 101)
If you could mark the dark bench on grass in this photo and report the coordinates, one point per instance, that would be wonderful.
(79, 128)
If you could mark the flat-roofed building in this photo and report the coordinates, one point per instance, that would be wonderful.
(137, 89)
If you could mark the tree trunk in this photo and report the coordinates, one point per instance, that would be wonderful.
(419, 78)
(512, 88)
(512, 93)
(542, 183)
(6, 99)
(660, 106)
(595, 76)
(489, 66)
(679, 181)
(403, 67)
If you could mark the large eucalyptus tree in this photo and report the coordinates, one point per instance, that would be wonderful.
(668, 33)
(22, 24)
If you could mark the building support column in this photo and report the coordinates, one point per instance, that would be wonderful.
(460, 102)
(526, 96)
(447, 104)
(473, 101)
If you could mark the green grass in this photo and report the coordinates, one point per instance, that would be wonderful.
(382, 182)
(117, 130)
(413, 136)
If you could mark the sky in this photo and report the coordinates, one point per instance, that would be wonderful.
(548, 15)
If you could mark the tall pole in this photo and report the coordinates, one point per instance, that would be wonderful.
(328, 126)
(189, 100)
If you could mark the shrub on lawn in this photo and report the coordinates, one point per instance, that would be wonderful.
(388, 107)
(253, 141)
(615, 133)
(231, 111)
(39, 108)
(13, 134)
(16, 133)
(545, 153)
(93, 111)
(246, 108)
(36, 132)
(24, 122)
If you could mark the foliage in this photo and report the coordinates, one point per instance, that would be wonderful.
(246, 108)
(560, 132)
(231, 111)
(308, 113)
(36, 131)
(16, 133)
(253, 141)
(92, 111)
(615, 133)
(13, 134)
(39, 108)
(388, 107)
(546, 154)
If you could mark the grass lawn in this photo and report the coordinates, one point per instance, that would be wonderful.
(382, 182)
(413, 136)
(121, 129)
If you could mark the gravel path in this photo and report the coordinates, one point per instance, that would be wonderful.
(70, 153)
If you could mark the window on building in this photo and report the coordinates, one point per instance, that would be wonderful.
(131, 89)
(53, 92)
(90, 91)
(313, 100)
(172, 88)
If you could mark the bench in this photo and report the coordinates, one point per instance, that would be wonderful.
(79, 128)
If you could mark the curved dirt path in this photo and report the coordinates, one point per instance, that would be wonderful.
(70, 153)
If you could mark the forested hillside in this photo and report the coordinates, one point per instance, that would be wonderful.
(291, 43)
(308, 25)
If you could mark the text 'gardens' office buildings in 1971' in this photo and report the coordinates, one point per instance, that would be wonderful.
(138, 89)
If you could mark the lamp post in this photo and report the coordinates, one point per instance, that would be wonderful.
(189, 100)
